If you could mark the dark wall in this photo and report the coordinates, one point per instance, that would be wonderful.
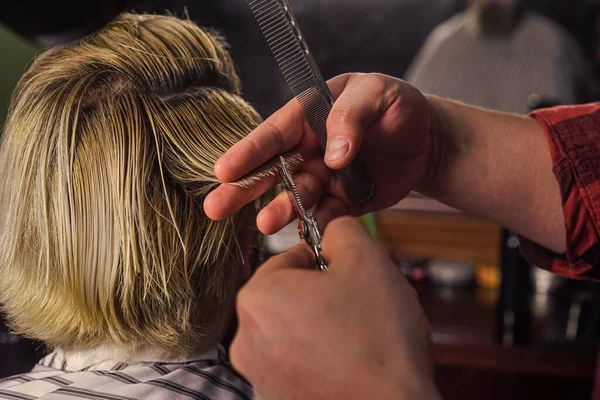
(349, 35)
(345, 36)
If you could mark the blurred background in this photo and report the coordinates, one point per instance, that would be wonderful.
(501, 328)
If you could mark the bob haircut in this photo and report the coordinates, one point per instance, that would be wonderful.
(107, 155)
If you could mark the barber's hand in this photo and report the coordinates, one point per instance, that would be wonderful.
(388, 120)
(356, 331)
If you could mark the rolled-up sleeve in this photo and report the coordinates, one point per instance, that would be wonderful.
(573, 134)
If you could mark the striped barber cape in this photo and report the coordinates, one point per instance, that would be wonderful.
(208, 376)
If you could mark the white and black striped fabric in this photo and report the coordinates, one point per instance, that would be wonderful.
(501, 73)
(206, 378)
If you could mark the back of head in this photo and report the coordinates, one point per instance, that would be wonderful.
(107, 155)
(497, 17)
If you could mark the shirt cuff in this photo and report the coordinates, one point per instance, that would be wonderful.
(573, 134)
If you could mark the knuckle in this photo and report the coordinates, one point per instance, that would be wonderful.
(250, 299)
(379, 80)
(244, 301)
(254, 310)
(306, 189)
(376, 83)
(386, 91)
(276, 136)
(350, 75)
(345, 221)
(338, 225)
(341, 116)
(305, 254)
(254, 148)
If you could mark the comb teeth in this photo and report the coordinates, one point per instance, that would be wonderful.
(285, 39)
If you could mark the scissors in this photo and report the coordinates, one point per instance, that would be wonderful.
(308, 229)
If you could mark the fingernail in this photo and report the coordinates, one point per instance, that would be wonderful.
(337, 149)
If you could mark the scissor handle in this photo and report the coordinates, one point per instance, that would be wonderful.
(321, 263)
(310, 233)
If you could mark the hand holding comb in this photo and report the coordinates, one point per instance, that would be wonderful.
(281, 30)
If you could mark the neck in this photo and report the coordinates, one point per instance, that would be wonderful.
(106, 356)
(496, 21)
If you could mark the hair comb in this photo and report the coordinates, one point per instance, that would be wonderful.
(281, 30)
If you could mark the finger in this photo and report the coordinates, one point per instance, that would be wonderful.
(338, 83)
(276, 135)
(358, 106)
(227, 198)
(300, 256)
(347, 241)
(280, 212)
(329, 208)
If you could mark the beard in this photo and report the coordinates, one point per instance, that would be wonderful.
(498, 19)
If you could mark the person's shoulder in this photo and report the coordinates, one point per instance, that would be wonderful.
(546, 28)
(447, 30)
(30, 384)
(552, 38)
(449, 37)
(535, 19)
(209, 379)
(202, 378)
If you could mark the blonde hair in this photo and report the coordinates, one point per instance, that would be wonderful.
(107, 155)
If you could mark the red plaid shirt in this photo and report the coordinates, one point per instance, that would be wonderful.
(573, 133)
(574, 136)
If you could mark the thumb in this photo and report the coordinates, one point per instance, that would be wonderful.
(347, 242)
(300, 257)
(359, 104)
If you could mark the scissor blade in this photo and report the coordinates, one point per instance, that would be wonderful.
(290, 186)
